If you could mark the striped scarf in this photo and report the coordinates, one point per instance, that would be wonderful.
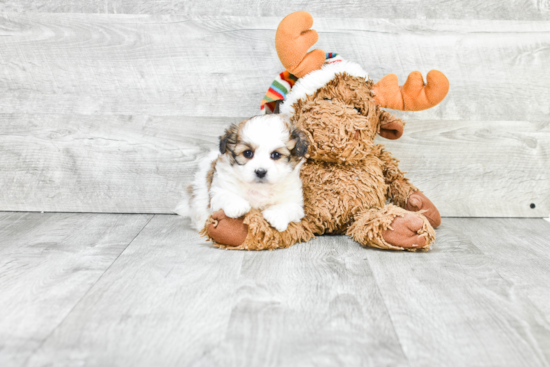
(283, 84)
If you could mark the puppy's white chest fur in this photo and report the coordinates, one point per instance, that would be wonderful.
(260, 198)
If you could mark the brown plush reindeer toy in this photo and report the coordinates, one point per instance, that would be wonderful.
(347, 178)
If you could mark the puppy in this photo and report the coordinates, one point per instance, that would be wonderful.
(257, 167)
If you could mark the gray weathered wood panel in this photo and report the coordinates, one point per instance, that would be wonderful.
(431, 9)
(177, 305)
(143, 164)
(171, 299)
(479, 169)
(522, 271)
(100, 163)
(466, 294)
(98, 110)
(521, 276)
(48, 262)
(171, 65)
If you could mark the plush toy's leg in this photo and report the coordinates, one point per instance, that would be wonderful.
(393, 228)
(253, 232)
(404, 194)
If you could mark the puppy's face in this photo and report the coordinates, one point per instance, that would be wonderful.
(263, 149)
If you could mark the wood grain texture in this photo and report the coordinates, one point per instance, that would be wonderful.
(460, 295)
(520, 271)
(101, 164)
(193, 304)
(479, 298)
(143, 163)
(315, 305)
(108, 113)
(167, 301)
(48, 262)
(478, 169)
(173, 65)
(432, 9)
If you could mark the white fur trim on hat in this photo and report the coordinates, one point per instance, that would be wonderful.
(308, 84)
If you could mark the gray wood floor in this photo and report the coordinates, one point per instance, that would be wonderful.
(142, 290)
(106, 107)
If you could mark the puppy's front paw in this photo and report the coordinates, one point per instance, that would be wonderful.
(236, 209)
(296, 214)
(277, 218)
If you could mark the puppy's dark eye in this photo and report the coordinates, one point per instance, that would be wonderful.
(327, 99)
(248, 154)
(275, 155)
(357, 109)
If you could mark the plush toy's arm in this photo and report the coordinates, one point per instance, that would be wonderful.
(399, 187)
(253, 232)
(403, 193)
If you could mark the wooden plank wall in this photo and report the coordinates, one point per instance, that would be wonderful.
(106, 106)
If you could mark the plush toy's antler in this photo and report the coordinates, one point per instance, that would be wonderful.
(414, 95)
(294, 37)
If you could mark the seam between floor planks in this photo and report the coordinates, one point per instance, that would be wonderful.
(388, 310)
(46, 266)
(469, 256)
(84, 295)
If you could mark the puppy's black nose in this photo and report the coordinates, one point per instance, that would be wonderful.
(260, 172)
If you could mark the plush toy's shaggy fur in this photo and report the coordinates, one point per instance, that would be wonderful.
(348, 180)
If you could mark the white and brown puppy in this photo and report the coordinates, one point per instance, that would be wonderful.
(257, 167)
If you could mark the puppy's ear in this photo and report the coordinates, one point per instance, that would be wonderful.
(228, 138)
(298, 143)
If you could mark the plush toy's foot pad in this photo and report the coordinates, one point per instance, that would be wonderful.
(405, 232)
(392, 228)
(253, 232)
(227, 231)
(417, 201)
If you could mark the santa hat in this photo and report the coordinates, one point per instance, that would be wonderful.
(289, 88)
